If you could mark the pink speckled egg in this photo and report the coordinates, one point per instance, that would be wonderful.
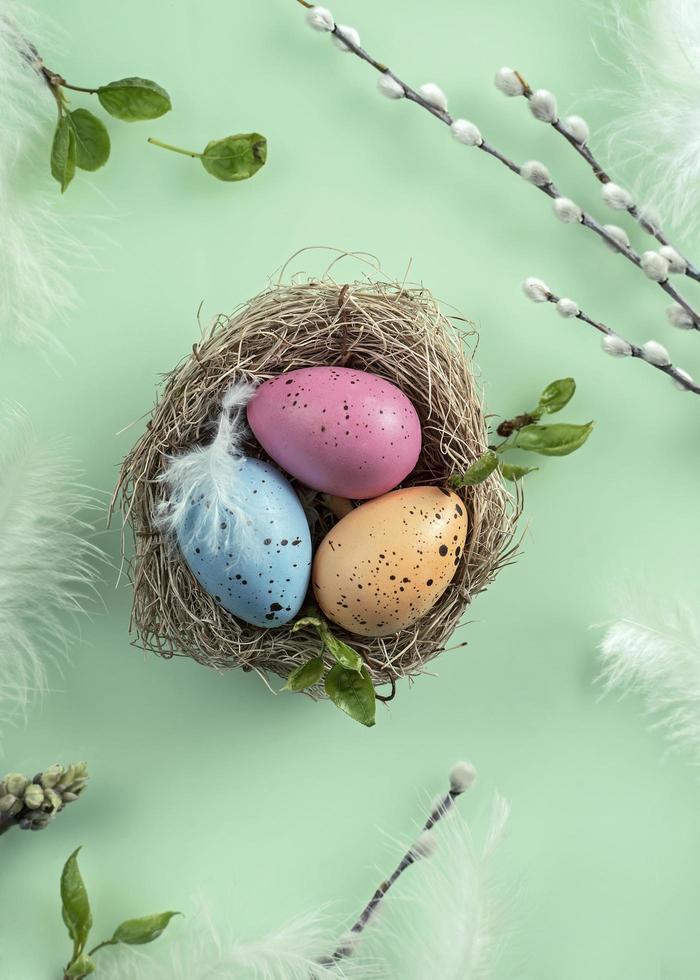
(341, 431)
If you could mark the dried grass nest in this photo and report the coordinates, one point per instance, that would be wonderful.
(389, 329)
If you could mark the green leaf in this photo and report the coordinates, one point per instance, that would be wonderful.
(515, 473)
(235, 157)
(76, 907)
(344, 654)
(92, 144)
(353, 693)
(555, 396)
(63, 153)
(82, 967)
(479, 471)
(306, 675)
(552, 440)
(134, 99)
(138, 932)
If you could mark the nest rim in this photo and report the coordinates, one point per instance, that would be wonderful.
(373, 324)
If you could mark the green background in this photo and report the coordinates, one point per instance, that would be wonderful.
(206, 784)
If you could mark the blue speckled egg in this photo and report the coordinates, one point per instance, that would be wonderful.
(259, 569)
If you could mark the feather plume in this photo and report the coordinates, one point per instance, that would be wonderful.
(209, 472)
(440, 919)
(202, 952)
(48, 567)
(658, 106)
(35, 248)
(654, 650)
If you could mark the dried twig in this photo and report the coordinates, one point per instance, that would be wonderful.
(651, 352)
(575, 132)
(461, 778)
(431, 98)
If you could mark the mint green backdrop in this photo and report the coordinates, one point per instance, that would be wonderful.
(206, 784)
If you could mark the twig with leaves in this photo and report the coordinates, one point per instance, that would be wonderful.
(348, 683)
(32, 804)
(525, 432)
(81, 140)
(77, 916)
(651, 352)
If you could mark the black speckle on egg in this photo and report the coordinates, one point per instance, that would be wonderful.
(443, 550)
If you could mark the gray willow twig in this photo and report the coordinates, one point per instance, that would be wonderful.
(549, 189)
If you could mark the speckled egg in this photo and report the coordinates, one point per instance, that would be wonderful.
(386, 563)
(337, 430)
(260, 571)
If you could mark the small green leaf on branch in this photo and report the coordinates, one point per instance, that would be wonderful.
(76, 906)
(63, 153)
(556, 396)
(138, 932)
(305, 675)
(479, 471)
(92, 144)
(552, 440)
(134, 99)
(515, 473)
(353, 693)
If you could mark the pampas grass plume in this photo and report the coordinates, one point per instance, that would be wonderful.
(48, 567)
(652, 649)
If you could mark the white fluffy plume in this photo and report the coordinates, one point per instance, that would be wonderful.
(200, 951)
(654, 651)
(657, 125)
(35, 249)
(48, 567)
(440, 919)
(209, 473)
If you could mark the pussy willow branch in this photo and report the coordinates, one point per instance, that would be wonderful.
(634, 351)
(587, 220)
(604, 177)
(418, 850)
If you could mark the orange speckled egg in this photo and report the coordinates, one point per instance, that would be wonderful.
(386, 563)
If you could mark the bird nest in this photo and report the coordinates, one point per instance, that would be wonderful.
(390, 330)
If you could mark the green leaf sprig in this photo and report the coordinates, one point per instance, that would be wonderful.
(348, 683)
(526, 432)
(229, 159)
(77, 916)
(81, 140)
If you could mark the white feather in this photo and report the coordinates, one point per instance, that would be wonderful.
(653, 650)
(48, 567)
(657, 103)
(440, 918)
(209, 473)
(200, 951)
(35, 249)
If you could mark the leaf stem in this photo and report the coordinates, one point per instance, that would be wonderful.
(173, 149)
(106, 942)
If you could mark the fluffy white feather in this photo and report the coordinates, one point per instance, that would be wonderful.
(35, 248)
(657, 126)
(439, 920)
(209, 473)
(200, 951)
(48, 567)
(654, 650)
